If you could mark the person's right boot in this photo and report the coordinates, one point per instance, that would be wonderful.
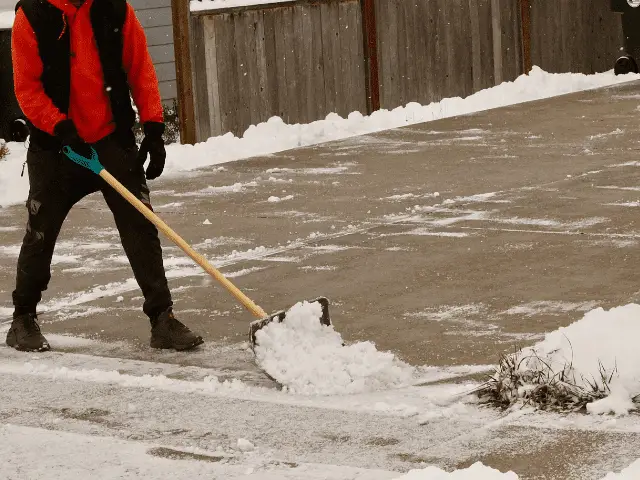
(25, 334)
(168, 332)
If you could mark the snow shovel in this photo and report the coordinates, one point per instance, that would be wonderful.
(264, 319)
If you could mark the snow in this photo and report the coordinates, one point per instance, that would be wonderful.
(601, 339)
(274, 199)
(6, 19)
(632, 472)
(52, 455)
(197, 5)
(245, 445)
(476, 471)
(309, 358)
(276, 136)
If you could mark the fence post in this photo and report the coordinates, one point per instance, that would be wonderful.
(370, 34)
(525, 17)
(186, 110)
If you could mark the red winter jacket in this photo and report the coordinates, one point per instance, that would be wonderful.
(89, 105)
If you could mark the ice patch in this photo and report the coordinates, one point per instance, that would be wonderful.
(278, 199)
(624, 204)
(308, 358)
(210, 190)
(617, 131)
(551, 307)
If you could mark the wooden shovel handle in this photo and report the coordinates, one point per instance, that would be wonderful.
(199, 259)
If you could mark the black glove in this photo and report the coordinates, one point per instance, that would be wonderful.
(68, 136)
(153, 145)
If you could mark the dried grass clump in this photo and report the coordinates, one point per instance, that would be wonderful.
(4, 150)
(526, 379)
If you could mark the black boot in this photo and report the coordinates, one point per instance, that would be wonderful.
(168, 332)
(25, 335)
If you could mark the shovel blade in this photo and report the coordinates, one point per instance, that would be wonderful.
(279, 317)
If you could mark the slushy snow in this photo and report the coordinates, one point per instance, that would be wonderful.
(276, 136)
(309, 358)
(602, 338)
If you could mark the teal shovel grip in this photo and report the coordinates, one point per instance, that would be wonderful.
(92, 163)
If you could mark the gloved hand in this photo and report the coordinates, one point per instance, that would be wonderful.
(68, 135)
(153, 145)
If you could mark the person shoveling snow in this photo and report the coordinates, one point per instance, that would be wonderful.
(69, 107)
(592, 364)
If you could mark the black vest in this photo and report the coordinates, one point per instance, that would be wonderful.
(53, 38)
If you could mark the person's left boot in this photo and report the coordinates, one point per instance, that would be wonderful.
(168, 332)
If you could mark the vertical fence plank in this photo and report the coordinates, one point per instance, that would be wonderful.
(228, 97)
(264, 104)
(496, 25)
(408, 12)
(345, 64)
(487, 76)
(281, 62)
(329, 51)
(292, 103)
(201, 88)
(303, 15)
(271, 63)
(359, 96)
(431, 31)
(317, 50)
(252, 80)
(476, 44)
(394, 98)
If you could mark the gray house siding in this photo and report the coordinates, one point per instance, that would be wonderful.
(155, 17)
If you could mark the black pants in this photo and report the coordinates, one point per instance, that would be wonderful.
(56, 184)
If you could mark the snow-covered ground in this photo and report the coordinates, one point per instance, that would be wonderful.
(276, 136)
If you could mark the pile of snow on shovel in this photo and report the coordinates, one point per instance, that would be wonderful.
(309, 358)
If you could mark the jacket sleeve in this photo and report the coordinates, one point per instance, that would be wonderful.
(140, 71)
(27, 72)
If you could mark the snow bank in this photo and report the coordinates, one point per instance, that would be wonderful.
(13, 188)
(595, 361)
(309, 358)
(476, 471)
(6, 19)
(198, 5)
(276, 136)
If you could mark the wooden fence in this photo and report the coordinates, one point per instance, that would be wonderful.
(298, 62)
(301, 60)
(574, 35)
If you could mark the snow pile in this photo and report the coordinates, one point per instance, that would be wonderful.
(309, 358)
(198, 5)
(6, 19)
(13, 187)
(477, 471)
(276, 136)
(593, 363)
